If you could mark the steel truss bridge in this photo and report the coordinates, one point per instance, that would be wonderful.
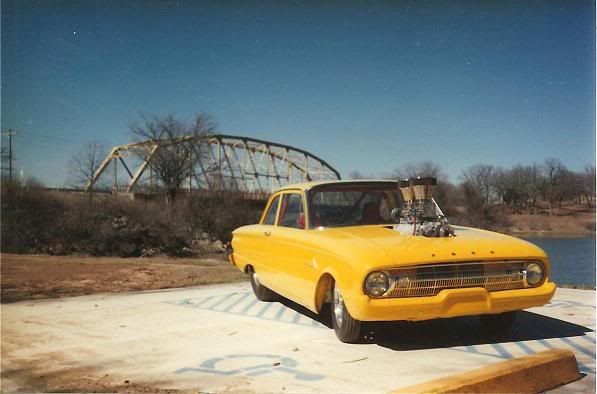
(222, 163)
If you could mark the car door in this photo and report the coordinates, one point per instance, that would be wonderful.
(262, 258)
(293, 260)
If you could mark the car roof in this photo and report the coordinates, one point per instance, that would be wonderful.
(309, 185)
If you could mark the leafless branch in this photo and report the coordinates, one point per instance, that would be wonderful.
(84, 164)
(177, 152)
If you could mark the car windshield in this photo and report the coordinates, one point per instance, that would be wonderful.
(339, 205)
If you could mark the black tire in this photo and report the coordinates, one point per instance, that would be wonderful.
(500, 323)
(347, 328)
(261, 292)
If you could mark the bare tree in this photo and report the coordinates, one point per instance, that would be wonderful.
(552, 169)
(480, 176)
(84, 164)
(589, 184)
(500, 182)
(177, 152)
(518, 187)
(424, 168)
(571, 187)
(532, 180)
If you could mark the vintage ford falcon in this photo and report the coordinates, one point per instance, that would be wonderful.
(382, 251)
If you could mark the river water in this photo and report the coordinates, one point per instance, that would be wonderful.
(572, 259)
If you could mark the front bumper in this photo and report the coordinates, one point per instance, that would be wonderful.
(449, 303)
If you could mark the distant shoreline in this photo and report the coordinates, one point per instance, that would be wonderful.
(573, 224)
(576, 287)
(550, 234)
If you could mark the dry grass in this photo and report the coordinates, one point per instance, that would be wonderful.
(26, 277)
(567, 221)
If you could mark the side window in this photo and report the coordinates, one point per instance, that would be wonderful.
(270, 217)
(291, 211)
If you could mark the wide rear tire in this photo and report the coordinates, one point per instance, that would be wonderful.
(347, 328)
(261, 292)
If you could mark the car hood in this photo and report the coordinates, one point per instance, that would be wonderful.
(398, 248)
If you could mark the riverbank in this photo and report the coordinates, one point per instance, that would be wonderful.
(577, 287)
(573, 222)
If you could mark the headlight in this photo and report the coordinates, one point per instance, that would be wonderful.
(534, 274)
(377, 283)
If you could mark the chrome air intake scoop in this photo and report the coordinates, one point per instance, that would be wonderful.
(420, 214)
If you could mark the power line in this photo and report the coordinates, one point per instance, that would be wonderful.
(10, 133)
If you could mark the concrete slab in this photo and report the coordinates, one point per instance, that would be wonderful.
(220, 338)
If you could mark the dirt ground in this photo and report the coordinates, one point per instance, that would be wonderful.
(28, 277)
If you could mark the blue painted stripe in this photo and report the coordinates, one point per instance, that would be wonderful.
(235, 303)
(246, 308)
(578, 347)
(264, 309)
(525, 347)
(224, 298)
(296, 318)
(545, 343)
(203, 301)
(280, 312)
(583, 368)
(588, 339)
(501, 350)
(471, 349)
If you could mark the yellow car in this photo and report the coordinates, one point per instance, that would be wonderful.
(384, 251)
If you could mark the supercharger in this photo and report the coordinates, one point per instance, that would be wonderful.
(420, 214)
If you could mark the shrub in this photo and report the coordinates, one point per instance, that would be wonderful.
(38, 221)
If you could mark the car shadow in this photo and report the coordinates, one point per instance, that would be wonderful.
(466, 331)
(452, 332)
(324, 317)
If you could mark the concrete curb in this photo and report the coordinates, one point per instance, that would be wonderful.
(529, 374)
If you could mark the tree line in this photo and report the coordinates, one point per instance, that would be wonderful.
(521, 186)
(40, 221)
(518, 188)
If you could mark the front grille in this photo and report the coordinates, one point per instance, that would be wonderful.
(430, 280)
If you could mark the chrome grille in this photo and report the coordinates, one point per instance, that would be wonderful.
(430, 280)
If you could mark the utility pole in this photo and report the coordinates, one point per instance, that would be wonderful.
(10, 133)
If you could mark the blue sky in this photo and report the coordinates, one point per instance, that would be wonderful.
(367, 86)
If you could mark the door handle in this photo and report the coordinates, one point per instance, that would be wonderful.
(267, 233)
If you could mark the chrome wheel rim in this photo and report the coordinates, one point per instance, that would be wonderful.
(338, 307)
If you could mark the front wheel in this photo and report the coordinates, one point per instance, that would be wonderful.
(261, 292)
(347, 328)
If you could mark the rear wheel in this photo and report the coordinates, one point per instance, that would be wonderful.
(500, 323)
(261, 292)
(347, 328)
